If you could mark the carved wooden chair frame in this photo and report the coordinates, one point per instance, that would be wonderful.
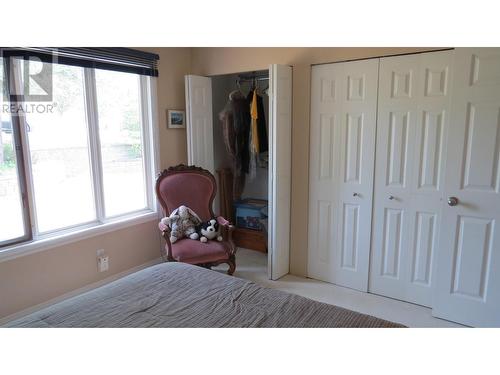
(227, 228)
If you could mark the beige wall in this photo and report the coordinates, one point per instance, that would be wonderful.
(32, 279)
(36, 278)
(211, 61)
(174, 64)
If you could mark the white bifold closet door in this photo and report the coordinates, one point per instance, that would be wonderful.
(342, 149)
(199, 122)
(467, 288)
(280, 169)
(412, 123)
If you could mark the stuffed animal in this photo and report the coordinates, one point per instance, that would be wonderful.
(209, 230)
(183, 222)
(169, 222)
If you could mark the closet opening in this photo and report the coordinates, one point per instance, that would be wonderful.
(240, 104)
(253, 168)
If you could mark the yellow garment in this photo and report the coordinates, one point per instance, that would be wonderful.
(253, 125)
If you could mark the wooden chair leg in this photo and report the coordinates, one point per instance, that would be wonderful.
(232, 266)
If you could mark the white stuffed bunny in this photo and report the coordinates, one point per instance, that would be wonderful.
(182, 222)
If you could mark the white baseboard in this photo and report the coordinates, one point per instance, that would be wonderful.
(76, 292)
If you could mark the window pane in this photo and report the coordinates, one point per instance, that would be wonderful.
(60, 154)
(11, 209)
(120, 130)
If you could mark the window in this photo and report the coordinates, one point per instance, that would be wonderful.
(120, 124)
(60, 155)
(81, 160)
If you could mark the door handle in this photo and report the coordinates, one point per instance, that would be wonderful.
(391, 197)
(355, 194)
(452, 201)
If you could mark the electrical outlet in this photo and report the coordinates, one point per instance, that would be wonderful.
(103, 263)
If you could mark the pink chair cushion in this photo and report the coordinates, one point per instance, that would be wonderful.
(190, 189)
(195, 252)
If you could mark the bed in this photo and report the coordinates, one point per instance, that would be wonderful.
(182, 295)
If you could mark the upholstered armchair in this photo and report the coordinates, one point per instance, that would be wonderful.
(195, 188)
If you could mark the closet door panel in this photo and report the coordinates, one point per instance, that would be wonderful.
(397, 144)
(280, 131)
(326, 136)
(199, 122)
(354, 148)
(413, 111)
(423, 248)
(468, 277)
(430, 139)
(357, 148)
(343, 100)
(398, 86)
(324, 169)
(391, 248)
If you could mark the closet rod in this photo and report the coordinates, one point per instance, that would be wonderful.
(253, 79)
(250, 76)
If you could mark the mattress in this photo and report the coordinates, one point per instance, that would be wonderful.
(182, 295)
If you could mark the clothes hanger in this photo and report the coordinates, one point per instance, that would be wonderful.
(254, 84)
(266, 90)
(237, 91)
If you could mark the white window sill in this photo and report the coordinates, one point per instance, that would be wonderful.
(35, 246)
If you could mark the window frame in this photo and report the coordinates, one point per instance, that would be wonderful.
(33, 239)
(21, 173)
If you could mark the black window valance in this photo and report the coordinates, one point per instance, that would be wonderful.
(111, 58)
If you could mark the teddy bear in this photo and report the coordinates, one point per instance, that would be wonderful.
(209, 230)
(183, 222)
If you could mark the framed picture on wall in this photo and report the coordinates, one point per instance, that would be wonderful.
(176, 119)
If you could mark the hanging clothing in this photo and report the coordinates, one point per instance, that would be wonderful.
(261, 122)
(254, 115)
(254, 136)
(235, 121)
